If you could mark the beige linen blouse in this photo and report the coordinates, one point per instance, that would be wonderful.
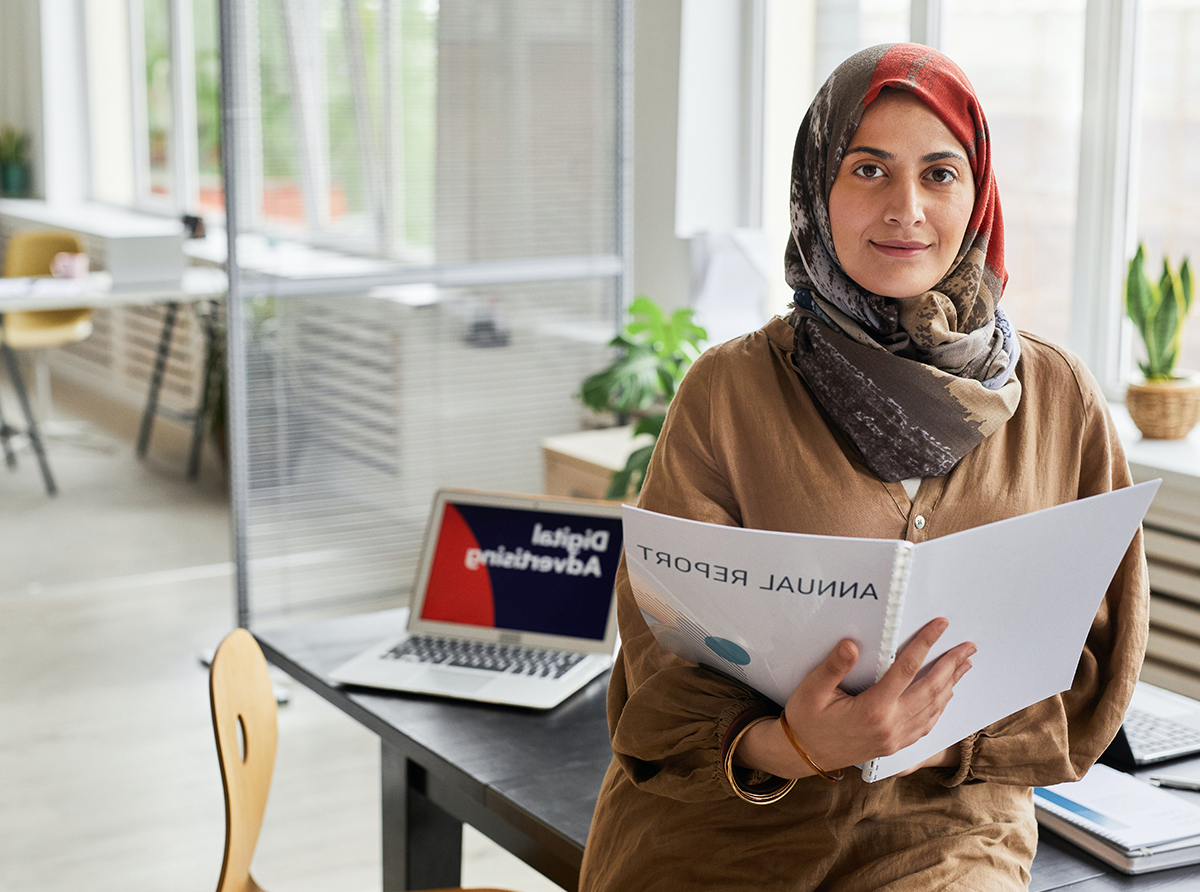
(744, 444)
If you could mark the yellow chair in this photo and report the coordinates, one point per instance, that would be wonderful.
(31, 253)
(242, 698)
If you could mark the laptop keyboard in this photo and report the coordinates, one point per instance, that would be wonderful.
(530, 661)
(1153, 736)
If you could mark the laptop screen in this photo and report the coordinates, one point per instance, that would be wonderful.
(523, 569)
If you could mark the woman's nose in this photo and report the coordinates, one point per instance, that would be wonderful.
(905, 206)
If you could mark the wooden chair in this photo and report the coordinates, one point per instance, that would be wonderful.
(243, 705)
(31, 253)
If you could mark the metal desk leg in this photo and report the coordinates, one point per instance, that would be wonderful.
(35, 437)
(210, 373)
(6, 435)
(422, 844)
(156, 377)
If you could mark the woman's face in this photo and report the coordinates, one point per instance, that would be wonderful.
(902, 198)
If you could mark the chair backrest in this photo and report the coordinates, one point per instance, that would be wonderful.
(243, 705)
(243, 700)
(31, 251)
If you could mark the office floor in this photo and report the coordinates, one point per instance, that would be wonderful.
(108, 593)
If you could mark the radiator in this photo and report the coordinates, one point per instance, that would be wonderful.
(118, 359)
(1172, 533)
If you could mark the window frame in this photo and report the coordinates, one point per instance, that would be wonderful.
(184, 165)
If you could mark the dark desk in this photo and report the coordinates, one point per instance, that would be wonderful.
(529, 780)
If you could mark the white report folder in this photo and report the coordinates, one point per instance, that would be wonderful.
(766, 607)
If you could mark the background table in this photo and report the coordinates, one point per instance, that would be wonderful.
(200, 286)
(529, 780)
(96, 291)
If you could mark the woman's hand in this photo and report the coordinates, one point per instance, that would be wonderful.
(838, 729)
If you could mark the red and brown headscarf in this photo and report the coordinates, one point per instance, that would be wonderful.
(914, 383)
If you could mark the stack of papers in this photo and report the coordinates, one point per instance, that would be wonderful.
(1121, 820)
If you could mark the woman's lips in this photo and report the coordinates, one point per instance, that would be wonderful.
(898, 248)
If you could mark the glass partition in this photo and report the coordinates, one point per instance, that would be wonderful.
(427, 247)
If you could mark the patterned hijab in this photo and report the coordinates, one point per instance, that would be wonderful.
(915, 383)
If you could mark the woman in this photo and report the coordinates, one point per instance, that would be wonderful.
(894, 402)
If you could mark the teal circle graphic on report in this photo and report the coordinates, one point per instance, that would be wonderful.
(727, 650)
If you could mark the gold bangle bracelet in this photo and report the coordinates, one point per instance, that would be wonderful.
(832, 778)
(741, 792)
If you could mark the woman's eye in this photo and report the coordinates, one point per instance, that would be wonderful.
(869, 171)
(943, 175)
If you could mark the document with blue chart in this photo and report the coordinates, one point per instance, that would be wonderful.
(766, 607)
(1122, 820)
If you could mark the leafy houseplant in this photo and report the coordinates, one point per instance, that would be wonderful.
(1167, 404)
(14, 162)
(656, 350)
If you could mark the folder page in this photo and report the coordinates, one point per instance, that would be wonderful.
(1025, 590)
(762, 607)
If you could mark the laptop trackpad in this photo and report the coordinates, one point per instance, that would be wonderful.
(453, 683)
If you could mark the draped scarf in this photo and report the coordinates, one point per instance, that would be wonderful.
(913, 383)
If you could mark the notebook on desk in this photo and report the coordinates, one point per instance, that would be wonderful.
(1123, 821)
(1159, 725)
(513, 602)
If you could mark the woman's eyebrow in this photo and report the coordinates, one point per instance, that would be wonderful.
(942, 156)
(868, 150)
(888, 156)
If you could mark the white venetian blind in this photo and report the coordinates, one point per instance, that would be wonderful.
(429, 259)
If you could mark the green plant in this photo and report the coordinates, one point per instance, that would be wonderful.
(14, 146)
(1158, 311)
(656, 350)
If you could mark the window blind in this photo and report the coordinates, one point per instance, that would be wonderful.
(427, 207)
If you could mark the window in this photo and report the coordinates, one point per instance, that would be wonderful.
(1167, 203)
(211, 196)
(346, 97)
(1025, 60)
(154, 121)
(342, 149)
(157, 137)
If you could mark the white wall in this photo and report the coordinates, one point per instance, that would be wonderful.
(20, 76)
(788, 88)
(713, 170)
(65, 112)
(661, 261)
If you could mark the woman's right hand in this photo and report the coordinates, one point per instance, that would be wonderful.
(838, 729)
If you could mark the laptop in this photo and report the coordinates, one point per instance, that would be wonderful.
(1159, 725)
(513, 602)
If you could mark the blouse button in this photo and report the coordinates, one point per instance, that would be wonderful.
(919, 522)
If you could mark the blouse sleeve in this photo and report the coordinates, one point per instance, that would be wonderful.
(1058, 739)
(669, 719)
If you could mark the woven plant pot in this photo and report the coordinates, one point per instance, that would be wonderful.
(1165, 410)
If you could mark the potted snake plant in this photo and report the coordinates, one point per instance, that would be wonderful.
(1165, 404)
